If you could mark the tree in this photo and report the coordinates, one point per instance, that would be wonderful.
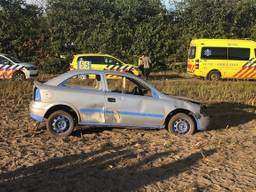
(19, 28)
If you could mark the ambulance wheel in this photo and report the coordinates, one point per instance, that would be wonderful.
(214, 76)
(18, 76)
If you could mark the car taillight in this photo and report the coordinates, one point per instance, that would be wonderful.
(197, 64)
(37, 94)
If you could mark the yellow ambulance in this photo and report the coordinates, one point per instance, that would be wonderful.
(91, 61)
(216, 59)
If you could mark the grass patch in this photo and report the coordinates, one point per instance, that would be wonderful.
(243, 92)
(208, 91)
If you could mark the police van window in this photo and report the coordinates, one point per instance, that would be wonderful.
(238, 53)
(214, 53)
(192, 53)
(92, 59)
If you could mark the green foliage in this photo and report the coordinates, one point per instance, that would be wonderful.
(54, 65)
(20, 28)
(121, 28)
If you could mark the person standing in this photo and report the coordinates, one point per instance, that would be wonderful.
(140, 64)
(146, 61)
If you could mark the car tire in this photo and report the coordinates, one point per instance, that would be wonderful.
(181, 124)
(19, 76)
(214, 76)
(60, 124)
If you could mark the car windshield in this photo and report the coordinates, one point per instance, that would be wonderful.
(14, 59)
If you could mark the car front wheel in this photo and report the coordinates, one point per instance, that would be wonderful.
(60, 124)
(181, 124)
(19, 76)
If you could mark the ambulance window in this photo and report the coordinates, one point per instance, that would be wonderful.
(192, 53)
(239, 53)
(214, 53)
(254, 52)
(93, 59)
(111, 61)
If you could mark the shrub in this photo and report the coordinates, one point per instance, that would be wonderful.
(54, 65)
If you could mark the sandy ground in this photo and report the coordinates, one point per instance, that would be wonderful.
(99, 159)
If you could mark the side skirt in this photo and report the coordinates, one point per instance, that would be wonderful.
(120, 125)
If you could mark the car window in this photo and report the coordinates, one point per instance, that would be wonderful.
(14, 59)
(126, 85)
(214, 53)
(4, 61)
(84, 81)
(254, 52)
(192, 53)
(238, 53)
(112, 61)
(92, 59)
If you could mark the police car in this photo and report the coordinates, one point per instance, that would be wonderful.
(12, 68)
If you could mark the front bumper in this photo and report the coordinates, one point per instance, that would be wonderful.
(203, 122)
(31, 74)
(37, 110)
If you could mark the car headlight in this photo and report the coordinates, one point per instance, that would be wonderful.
(203, 110)
(37, 94)
(31, 68)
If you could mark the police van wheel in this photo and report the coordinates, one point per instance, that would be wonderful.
(181, 124)
(19, 76)
(214, 76)
(60, 124)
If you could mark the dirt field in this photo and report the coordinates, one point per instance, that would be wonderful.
(98, 159)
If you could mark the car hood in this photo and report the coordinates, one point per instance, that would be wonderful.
(187, 99)
(131, 65)
(27, 64)
(182, 102)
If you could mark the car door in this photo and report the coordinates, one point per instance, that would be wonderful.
(214, 58)
(5, 65)
(113, 64)
(241, 62)
(127, 107)
(85, 92)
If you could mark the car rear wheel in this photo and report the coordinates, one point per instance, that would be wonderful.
(181, 124)
(18, 76)
(60, 124)
(214, 76)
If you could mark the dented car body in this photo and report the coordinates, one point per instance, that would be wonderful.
(93, 98)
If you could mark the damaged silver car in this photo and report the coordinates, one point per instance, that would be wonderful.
(115, 99)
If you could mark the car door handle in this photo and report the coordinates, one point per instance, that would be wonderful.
(111, 99)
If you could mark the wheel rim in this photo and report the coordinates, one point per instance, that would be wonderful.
(60, 124)
(19, 76)
(215, 76)
(181, 126)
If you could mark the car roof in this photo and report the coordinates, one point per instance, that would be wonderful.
(93, 54)
(59, 79)
(223, 42)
